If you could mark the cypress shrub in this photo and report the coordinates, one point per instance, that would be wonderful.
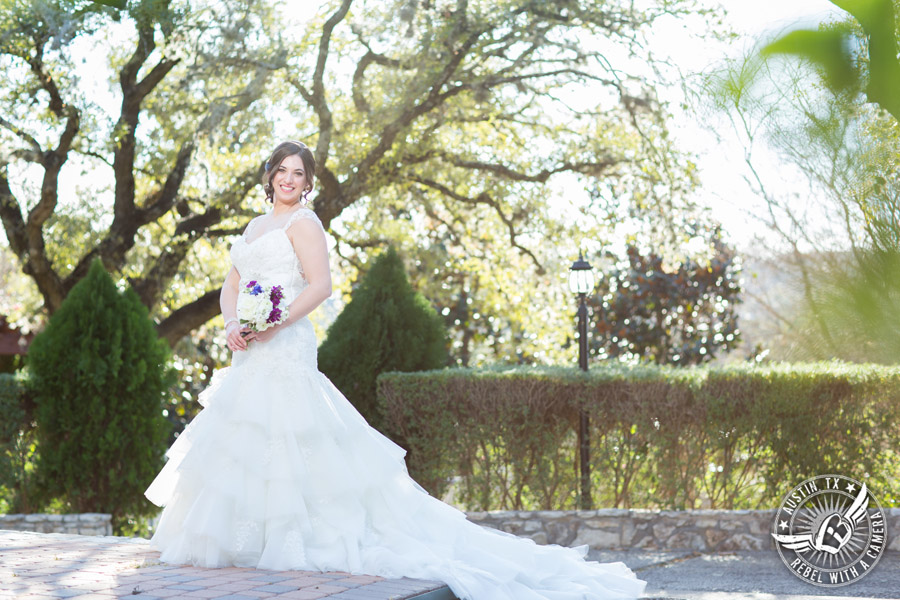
(386, 326)
(99, 373)
(16, 444)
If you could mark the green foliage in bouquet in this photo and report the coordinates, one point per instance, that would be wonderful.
(387, 326)
(99, 373)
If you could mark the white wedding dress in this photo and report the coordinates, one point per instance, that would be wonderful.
(279, 471)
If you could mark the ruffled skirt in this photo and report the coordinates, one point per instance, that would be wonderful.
(279, 471)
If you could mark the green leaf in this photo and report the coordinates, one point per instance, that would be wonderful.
(828, 49)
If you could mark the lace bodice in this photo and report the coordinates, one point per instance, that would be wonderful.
(269, 258)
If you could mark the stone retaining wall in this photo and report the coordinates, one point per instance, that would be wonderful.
(612, 528)
(609, 528)
(83, 524)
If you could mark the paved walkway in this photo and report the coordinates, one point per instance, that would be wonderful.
(46, 566)
(744, 575)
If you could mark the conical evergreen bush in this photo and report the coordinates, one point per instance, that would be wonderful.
(99, 372)
(386, 326)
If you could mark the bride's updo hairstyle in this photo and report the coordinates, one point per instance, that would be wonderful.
(282, 151)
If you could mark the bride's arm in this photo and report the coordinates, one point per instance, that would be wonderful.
(228, 303)
(311, 248)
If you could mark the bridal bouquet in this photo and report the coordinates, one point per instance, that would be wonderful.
(260, 307)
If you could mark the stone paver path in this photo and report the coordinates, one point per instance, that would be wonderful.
(45, 566)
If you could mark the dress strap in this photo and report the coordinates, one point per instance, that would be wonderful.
(302, 213)
(250, 226)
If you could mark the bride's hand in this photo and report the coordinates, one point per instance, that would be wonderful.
(233, 338)
(262, 336)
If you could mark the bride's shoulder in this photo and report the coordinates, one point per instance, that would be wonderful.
(303, 213)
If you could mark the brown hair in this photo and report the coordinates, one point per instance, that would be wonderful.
(282, 151)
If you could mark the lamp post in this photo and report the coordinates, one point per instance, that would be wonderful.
(581, 282)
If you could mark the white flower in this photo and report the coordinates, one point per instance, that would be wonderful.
(254, 306)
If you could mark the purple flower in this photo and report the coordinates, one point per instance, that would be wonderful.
(274, 316)
(251, 284)
(276, 295)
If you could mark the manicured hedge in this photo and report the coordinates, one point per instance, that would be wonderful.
(718, 437)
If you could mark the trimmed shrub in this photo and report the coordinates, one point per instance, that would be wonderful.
(99, 373)
(507, 434)
(661, 437)
(386, 326)
(17, 446)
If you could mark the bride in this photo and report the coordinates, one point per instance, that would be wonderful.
(279, 471)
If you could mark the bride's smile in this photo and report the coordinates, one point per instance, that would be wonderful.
(290, 180)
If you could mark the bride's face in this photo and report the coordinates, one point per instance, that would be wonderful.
(290, 180)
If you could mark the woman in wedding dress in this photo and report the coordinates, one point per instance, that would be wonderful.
(279, 471)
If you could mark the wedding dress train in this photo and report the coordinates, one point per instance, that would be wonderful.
(279, 471)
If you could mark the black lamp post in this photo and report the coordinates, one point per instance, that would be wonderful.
(581, 282)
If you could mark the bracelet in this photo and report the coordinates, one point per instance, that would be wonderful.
(232, 320)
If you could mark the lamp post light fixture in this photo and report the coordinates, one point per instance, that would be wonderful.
(581, 282)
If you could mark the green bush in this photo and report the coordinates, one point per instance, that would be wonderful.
(510, 449)
(99, 372)
(386, 326)
(735, 437)
(17, 446)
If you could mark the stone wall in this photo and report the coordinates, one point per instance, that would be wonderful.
(701, 530)
(609, 528)
(83, 524)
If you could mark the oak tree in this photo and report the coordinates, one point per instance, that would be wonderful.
(438, 124)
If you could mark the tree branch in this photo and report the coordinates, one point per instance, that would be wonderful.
(227, 232)
(376, 242)
(32, 253)
(359, 100)
(151, 286)
(121, 236)
(356, 263)
(11, 214)
(166, 197)
(368, 58)
(317, 98)
(189, 229)
(27, 137)
(188, 317)
(133, 94)
(587, 168)
(331, 206)
(336, 195)
(33, 258)
(484, 198)
(52, 162)
(56, 104)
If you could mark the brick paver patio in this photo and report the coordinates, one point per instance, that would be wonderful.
(39, 566)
